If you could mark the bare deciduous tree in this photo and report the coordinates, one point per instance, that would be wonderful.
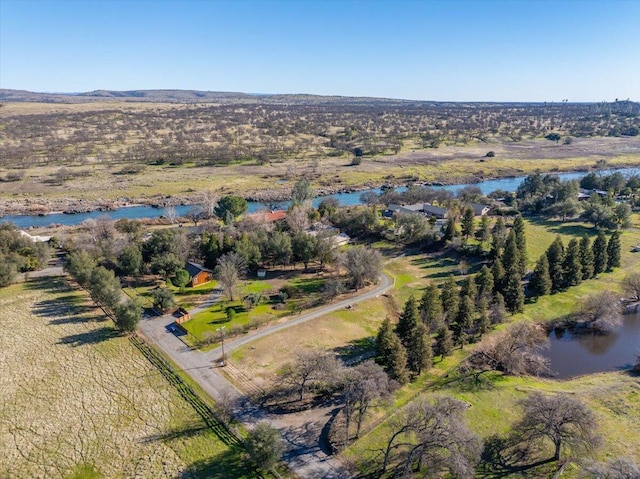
(229, 270)
(361, 386)
(432, 434)
(565, 421)
(514, 351)
(601, 312)
(631, 285)
(618, 468)
(309, 368)
(363, 266)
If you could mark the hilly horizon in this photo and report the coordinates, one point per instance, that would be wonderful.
(172, 95)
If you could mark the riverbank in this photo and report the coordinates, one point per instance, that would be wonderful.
(47, 206)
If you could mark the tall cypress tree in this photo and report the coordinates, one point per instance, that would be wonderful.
(484, 230)
(467, 222)
(571, 267)
(555, 256)
(451, 229)
(513, 294)
(444, 343)
(409, 319)
(600, 253)
(469, 288)
(540, 283)
(431, 308)
(586, 258)
(391, 354)
(464, 320)
(613, 251)
(511, 255)
(521, 241)
(484, 321)
(419, 350)
(499, 274)
(484, 282)
(449, 297)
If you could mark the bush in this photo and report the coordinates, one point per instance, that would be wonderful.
(490, 154)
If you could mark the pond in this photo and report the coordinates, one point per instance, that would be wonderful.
(573, 354)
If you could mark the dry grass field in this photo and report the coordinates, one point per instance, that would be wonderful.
(113, 150)
(78, 400)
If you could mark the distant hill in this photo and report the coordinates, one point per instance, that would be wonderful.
(195, 96)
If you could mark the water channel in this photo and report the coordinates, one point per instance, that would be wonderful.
(345, 199)
(574, 354)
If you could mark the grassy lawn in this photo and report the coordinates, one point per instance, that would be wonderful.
(102, 409)
(203, 326)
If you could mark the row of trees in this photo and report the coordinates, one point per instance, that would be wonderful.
(548, 196)
(560, 268)
(19, 254)
(104, 289)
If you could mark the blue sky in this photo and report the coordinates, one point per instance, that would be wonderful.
(428, 50)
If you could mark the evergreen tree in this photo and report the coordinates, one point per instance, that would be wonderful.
(444, 343)
(419, 350)
(498, 310)
(540, 283)
(500, 230)
(484, 282)
(521, 241)
(586, 258)
(571, 267)
(409, 319)
(511, 255)
(555, 256)
(499, 274)
(464, 320)
(469, 288)
(613, 251)
(431, 308)
(600, 259)
(496, 247)
(449, 297)
(451, 229)
(513, 294)
(484, 230)
(390, 353)
(484, 320)
(467, 222)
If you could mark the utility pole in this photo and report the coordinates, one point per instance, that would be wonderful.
(223, 362)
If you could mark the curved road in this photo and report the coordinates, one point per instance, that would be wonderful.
(304, 455)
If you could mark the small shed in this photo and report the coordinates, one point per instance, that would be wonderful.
(198, 274)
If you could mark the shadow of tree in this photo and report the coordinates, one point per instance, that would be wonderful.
(95, 336)
(356, 350)
(227, 465)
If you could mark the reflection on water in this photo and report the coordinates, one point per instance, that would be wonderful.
(576, 354)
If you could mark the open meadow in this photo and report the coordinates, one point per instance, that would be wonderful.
(78, 400)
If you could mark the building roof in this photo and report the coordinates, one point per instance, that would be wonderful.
(434, 210)
(270, 216)
(478, 208)
(194, 268)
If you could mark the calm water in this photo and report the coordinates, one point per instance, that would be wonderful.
(345, 199)
(574, 355)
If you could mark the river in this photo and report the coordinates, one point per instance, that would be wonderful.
(345, 199)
